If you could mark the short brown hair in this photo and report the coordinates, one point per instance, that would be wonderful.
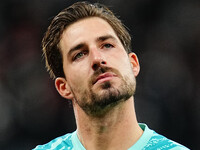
(77, 11)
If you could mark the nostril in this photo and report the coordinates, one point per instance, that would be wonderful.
(98, 64)
(95, 67)
(103, 62)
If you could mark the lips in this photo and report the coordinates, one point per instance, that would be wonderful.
(104, 77)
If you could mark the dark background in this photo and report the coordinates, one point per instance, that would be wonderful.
(166, 38)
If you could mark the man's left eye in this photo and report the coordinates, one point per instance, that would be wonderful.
(108, 45)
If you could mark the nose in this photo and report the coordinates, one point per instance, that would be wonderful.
(97, 59)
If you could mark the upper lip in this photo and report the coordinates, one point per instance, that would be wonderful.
(104, 75)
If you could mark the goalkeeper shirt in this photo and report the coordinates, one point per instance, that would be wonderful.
(150, 140)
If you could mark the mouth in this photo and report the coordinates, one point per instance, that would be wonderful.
(104, 77)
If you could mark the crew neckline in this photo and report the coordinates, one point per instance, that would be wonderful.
(143, 140)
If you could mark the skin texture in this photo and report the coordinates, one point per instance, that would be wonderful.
(100, 81)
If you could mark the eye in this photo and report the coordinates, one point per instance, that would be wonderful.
(108, 46)
(79, 55)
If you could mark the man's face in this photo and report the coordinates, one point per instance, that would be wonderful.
(98, 71)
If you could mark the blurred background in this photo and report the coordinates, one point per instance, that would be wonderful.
(166, 38)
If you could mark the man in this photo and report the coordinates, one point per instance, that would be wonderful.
(88, 53)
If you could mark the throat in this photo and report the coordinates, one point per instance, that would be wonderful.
(110, 130)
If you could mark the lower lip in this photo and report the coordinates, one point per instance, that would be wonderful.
(104, 79)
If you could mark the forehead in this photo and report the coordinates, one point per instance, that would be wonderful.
(85, 30)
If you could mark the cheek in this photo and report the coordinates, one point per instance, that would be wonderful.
(124, 66)
(77, 77)
(120, 60)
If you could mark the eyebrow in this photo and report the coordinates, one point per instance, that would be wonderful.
(106, 37)
(99, 39)
(77, 47)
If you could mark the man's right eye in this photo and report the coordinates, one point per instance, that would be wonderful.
(79, 55)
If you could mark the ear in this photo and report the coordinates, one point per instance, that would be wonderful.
(135, 63)
(63, 88)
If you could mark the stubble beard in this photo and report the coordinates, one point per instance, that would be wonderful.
(98, 103)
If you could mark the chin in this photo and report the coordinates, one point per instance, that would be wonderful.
(106, 85)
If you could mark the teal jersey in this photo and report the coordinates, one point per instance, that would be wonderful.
(150, 140)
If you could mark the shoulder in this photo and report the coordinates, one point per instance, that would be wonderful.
(158, 141)
(151, 140)
(62, 142)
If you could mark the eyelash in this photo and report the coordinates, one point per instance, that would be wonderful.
(82, 53)
(108, 44)
(77, 56)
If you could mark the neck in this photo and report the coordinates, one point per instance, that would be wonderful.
(112, 131)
